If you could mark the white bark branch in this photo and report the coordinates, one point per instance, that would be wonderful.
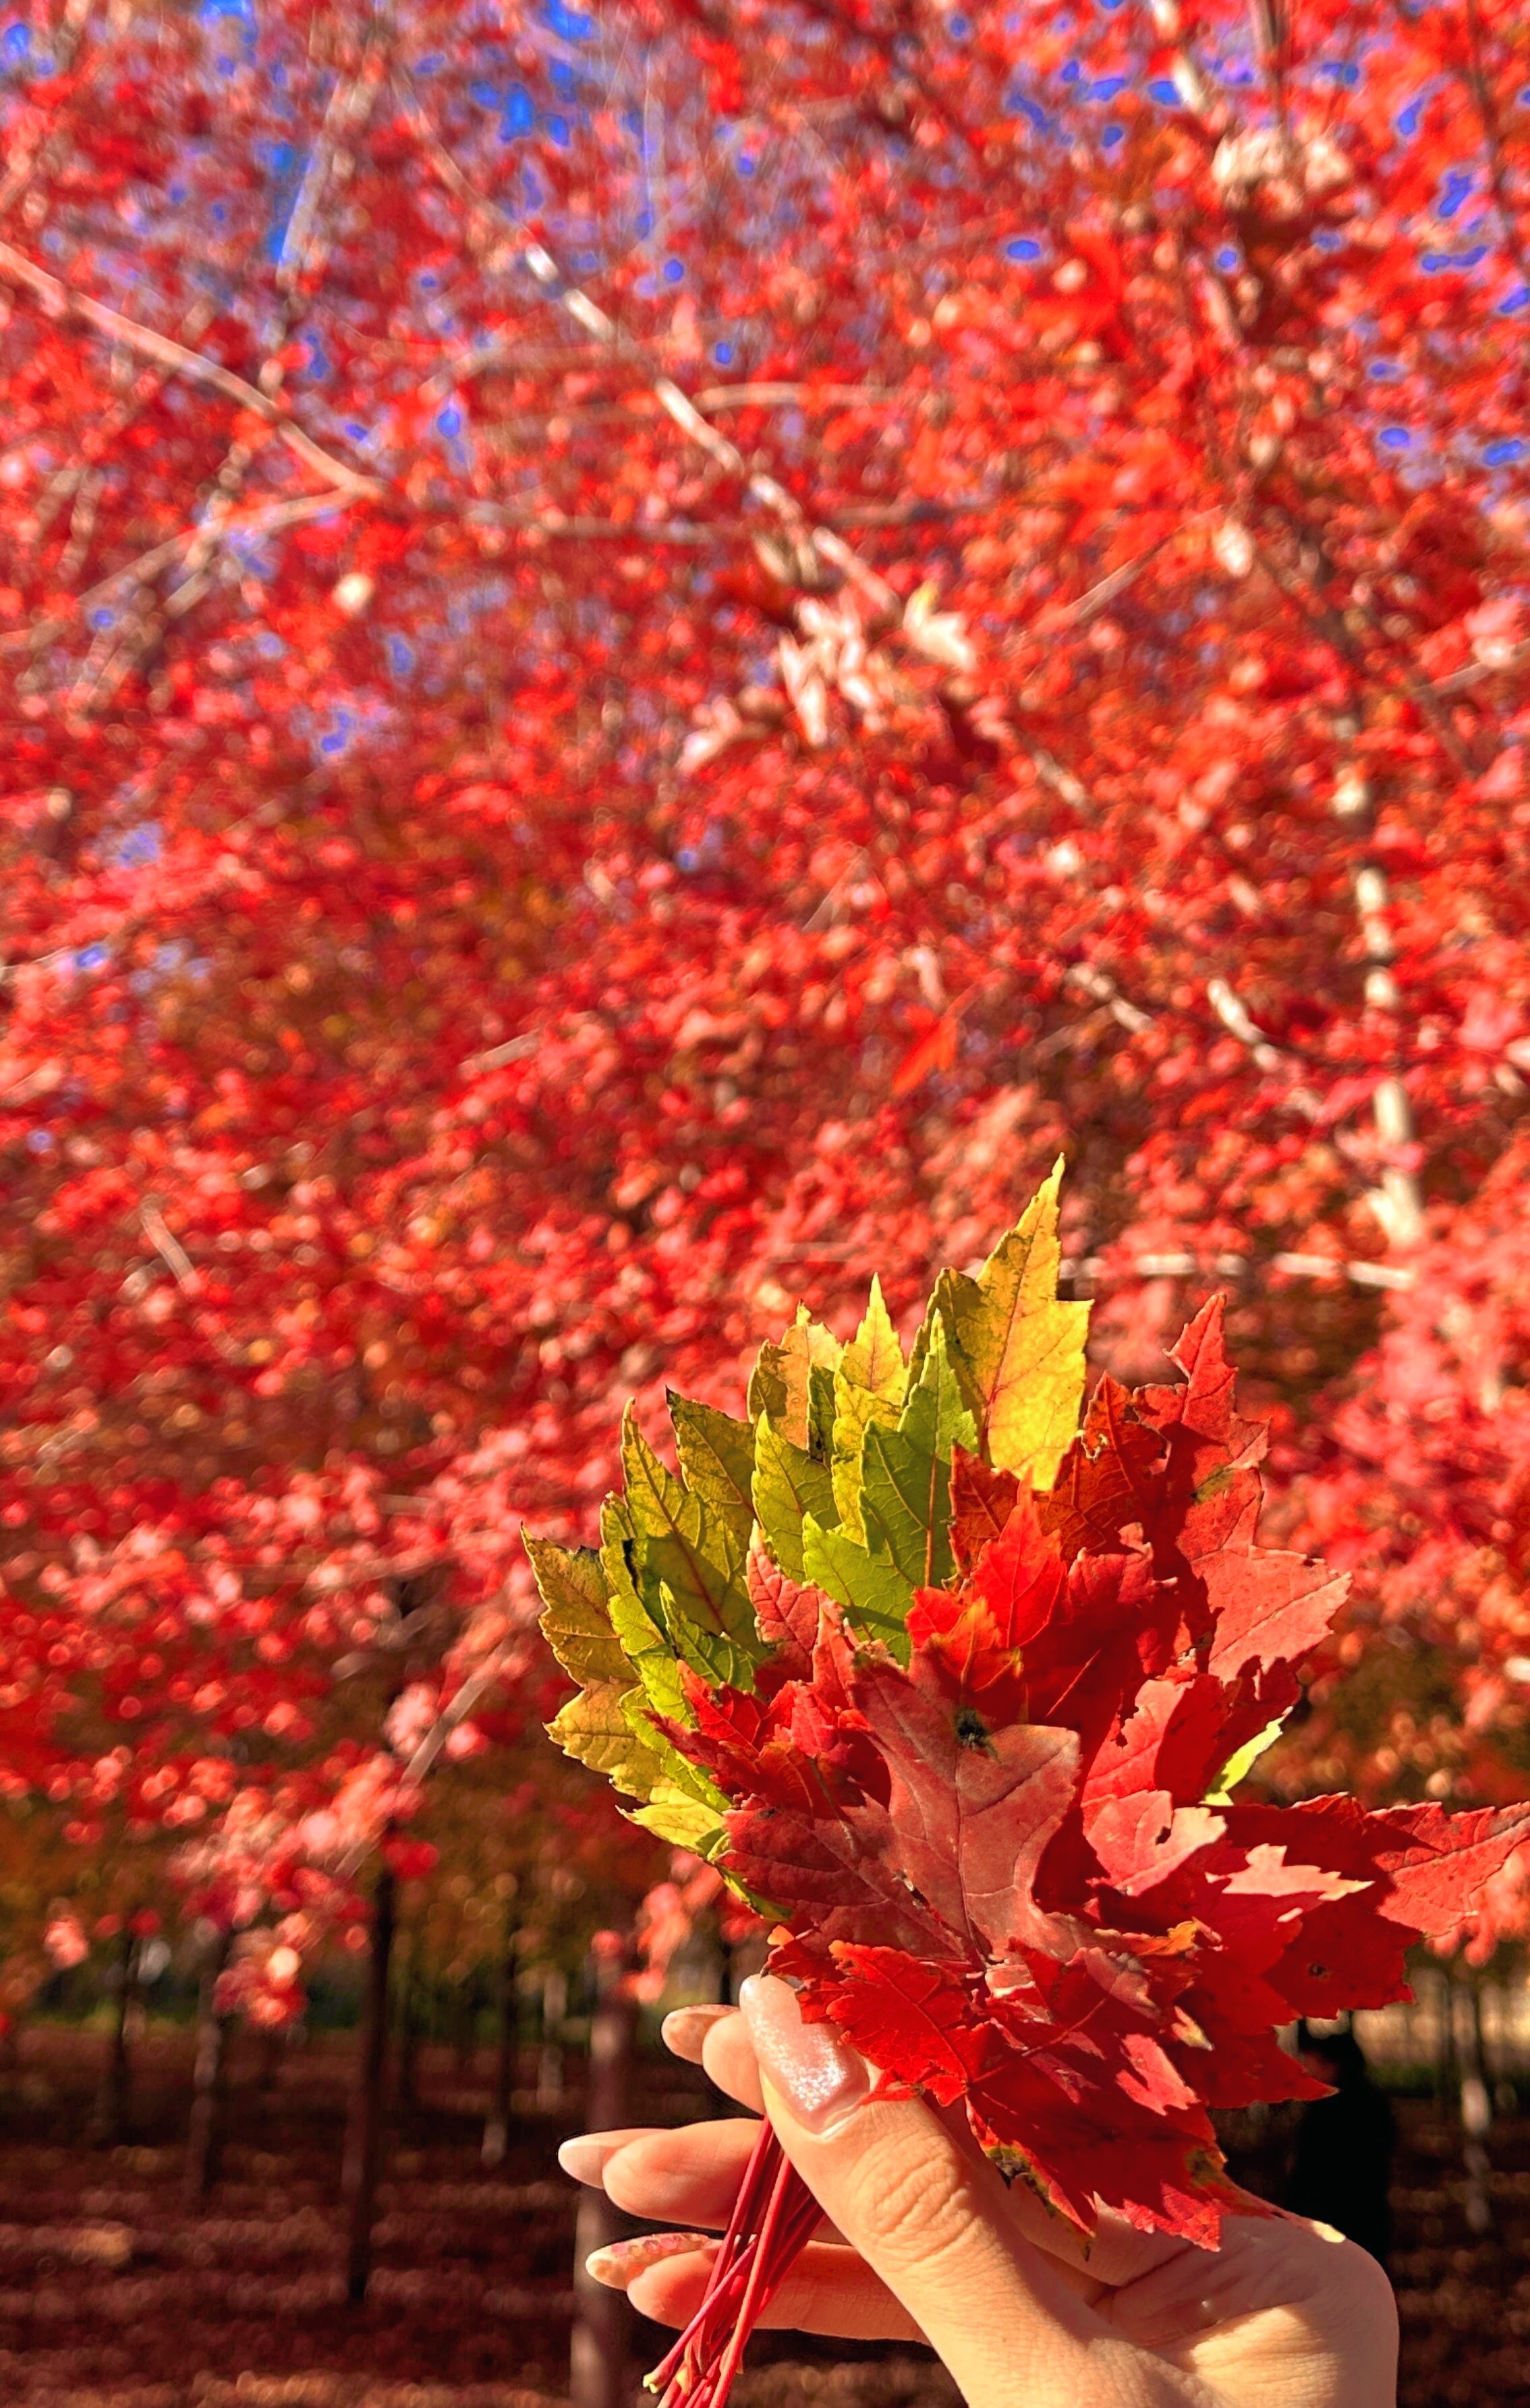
(62, 301)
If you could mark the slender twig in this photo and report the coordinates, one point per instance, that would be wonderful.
(1459, 680)
(62, 301)
(147, 566)
(350, 101)
(46, 138)
(186, 1276)
(1493, 140)
(586, 312)
(456, 1711)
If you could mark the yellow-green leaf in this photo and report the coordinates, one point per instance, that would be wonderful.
(670, 1765)
(695, 1553)
(1241, 1763)
(1019, 1351)
(788, 1486)
(780, 1383)
(820, 1412)
(644, 1642)
(867, 1388)
(594, 1727)
(683, 1821)
(934, 1408)
(856, 1410)
(823, 1347)
(717, 1462)
(906, 1493)
(872, 1360)
(719, 1658)
(778, 1387)
(873, 1591)
(576, 1612)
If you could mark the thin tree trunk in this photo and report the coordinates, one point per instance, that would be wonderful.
(272, 2052)
(599, 2352)
(1476, 2107)
(363, 2132)
(496, 2130)
(210, 2081)
(111, 2121)
(549, 2069)
(1485, 2057)
(408, 2030)
(1398, 1198)
(465, 2028)
(1444, 2038)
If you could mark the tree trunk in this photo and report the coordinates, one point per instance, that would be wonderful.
(1498, 2061)
(465, 2028)
(1444, 2038)
(1399, 1201)
(363, 2132)
(408, 2030)
(210, 2081)
(549, 2068)
(497, 2129)
(110, 2120)
(273, 2051)
(600, 2347)
(1476, 2106)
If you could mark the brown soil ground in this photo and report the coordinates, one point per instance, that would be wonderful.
(114, 2293)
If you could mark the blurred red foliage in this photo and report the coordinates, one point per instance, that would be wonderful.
(645, 656)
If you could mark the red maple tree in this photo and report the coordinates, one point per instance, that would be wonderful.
(644, 658)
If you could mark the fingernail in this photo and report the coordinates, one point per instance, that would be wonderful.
(621, 2262)
(684, 2032)
(586, 2157)
(820, 2078)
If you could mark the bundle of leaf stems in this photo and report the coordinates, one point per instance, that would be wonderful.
(773, 2218)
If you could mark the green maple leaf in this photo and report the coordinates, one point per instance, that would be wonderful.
(717, 1462)
(671, 1767)
(870, 1586)
(594, 1727)
(689, 1567)
(683, 1821)
(789, 1485)
(1018, 1352)
(906, 1490)
(845, 1470)
(645, 1642)
(576, 1612)
(781, 1385)
(868, 1389)
(604, 1728)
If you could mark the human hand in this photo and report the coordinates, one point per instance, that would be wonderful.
(924, 2242)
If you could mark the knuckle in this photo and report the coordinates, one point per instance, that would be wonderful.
(913, 2205)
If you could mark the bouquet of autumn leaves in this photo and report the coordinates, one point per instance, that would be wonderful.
(957, 1693)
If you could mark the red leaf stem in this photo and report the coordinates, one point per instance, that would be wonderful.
(774, 2217)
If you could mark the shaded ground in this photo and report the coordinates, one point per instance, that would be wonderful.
(115, 2293)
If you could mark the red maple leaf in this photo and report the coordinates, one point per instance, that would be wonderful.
(997, 1867)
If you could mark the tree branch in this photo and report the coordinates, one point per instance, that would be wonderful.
(585, 312)
(1487, 110)
(62, 301)
(147, 566)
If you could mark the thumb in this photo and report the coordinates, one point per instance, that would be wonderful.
(928, 2219)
